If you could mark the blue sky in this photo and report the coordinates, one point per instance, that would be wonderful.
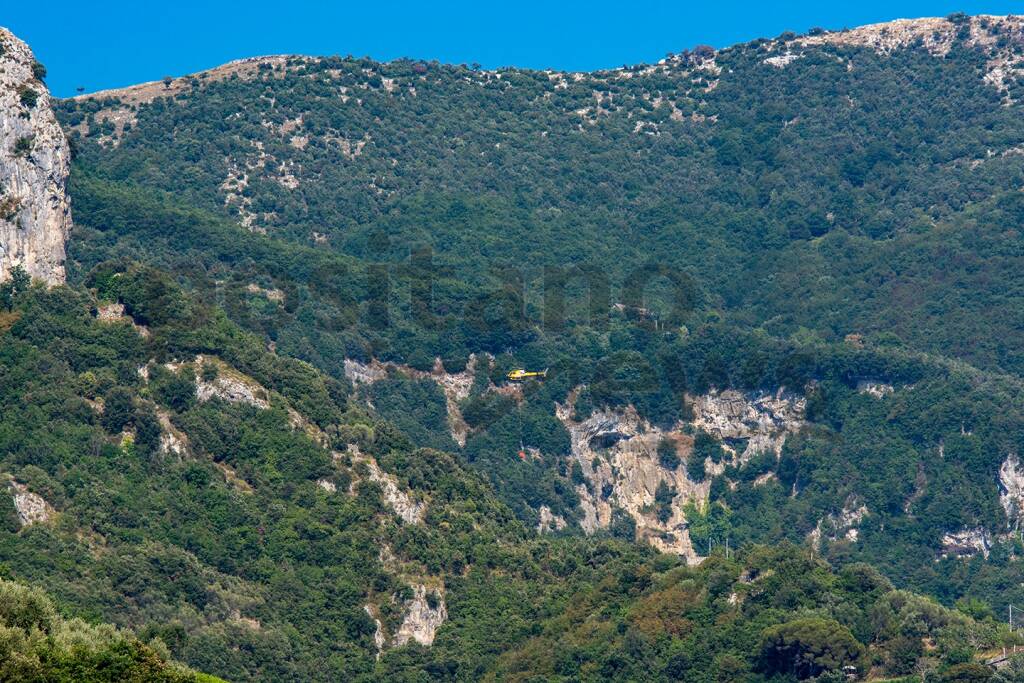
(99, 45)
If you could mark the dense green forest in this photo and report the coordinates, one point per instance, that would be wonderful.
(805, 223)
(232, 556)
(806, 199)
(41, 645)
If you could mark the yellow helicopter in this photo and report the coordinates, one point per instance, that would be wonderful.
(520, 375)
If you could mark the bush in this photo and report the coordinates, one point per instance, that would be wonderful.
(147, 432)
(23, 146)
(28, 96)
(663, 496)
(118, 410)
(176, 390)
(707, 446)
(209, 372)
(695, 467)
(667, 455)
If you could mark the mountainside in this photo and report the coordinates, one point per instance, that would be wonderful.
(803, 182)
(267, 423)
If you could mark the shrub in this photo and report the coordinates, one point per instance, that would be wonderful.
(28, 96)
(209, 372)
(118, 409)
(667, 455)
(23, 146)
(147, 432)
(695, 467)
(663, 501)
(176, 390)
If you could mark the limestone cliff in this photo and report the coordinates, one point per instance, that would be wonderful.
(617, 454)
(30, 507)
(840, 525)
(402, 502)
(967, 542)
(456, 386)
(424, 614)
(35, 214)
(1011, 495)
(749, 424)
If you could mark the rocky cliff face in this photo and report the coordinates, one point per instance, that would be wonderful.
(617, 453)
(840, 525)
(1011, 495)
(35, 213)
(967, 542)
(402, 502)
(456, 386)
(31, 507)
(424, 614)
(749, 424)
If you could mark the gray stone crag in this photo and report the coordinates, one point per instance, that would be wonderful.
(35, 213)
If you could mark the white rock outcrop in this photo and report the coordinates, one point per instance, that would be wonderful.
(110, 312)
(31, 507)
(364, 373)
(401, 502)
(783, 60)
(966, 542)
(114, 313)
(231, 386)
(840, 525)
(378, 635)
(173, 441)
(749, 424)
(1011, 494)
(875, 389)
(549, 522)
(35, 213)
(617, 453)
(421, 621)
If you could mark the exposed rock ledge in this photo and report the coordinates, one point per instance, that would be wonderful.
(401, 502)
(35, 214)
(173, 441)
(841, 525)
(378, 635)
(421, 621)
(875, 389)
(1011, 494)
(617, 452)
(31, 507)
(112, 313)
(232, 386)
(749, 424)
(549, 522)
(966, 542)
(456, 386)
